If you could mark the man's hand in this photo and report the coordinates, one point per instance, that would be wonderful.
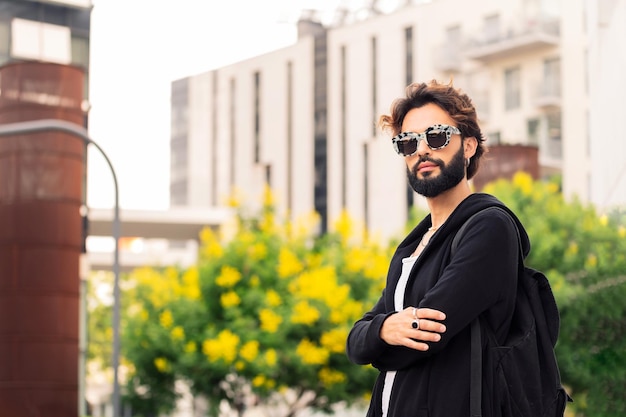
(412, 327)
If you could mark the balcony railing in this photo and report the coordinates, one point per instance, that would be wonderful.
(533, 35)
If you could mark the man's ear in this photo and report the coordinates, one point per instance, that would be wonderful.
(469, 147)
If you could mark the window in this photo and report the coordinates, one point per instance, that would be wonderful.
(555, 149)
(492, 28)
(233, 129)
(366, 184)
(40, 41)
(344, 168)
(588, 124)
(552, 77)
(512, 88)
(532, 131)
(257, 117)
(268, 175)
(408, 77)
(178, 193)
(290, 156)
(452, 47)
(80, 51)
(374, 76)
(408, 54)
(214, 143)
(320, 190)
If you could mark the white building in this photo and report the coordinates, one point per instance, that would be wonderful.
(544, 73)
(606, 62)
(246, 125)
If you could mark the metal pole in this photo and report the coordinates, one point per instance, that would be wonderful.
(45, 125)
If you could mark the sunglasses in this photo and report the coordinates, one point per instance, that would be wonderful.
(436, 137)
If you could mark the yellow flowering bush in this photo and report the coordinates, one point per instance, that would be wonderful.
(268, 307)
(269, 320)
(228, 277)
(223, 347)
(311, 354)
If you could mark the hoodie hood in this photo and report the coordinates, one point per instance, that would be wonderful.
(472, 204)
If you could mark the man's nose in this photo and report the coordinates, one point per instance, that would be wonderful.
(422, 147)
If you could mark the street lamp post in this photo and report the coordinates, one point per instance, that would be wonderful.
(46, 125)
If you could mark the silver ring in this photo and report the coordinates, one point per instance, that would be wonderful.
(415, 324)
(414, 313)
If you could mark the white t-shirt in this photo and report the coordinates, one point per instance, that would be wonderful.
(398, 304)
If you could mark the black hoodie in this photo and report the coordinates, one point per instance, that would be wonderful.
(481, 279)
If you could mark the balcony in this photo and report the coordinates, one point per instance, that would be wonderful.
(534, 35)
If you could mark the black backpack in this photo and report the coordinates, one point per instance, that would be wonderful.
(523, 373)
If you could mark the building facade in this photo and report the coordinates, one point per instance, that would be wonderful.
(250, 124)
(605, 173)
(55, 31)
(44, 63)
(303, 118)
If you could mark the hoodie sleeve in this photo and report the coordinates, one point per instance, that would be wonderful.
(364, 344)
(481, 278)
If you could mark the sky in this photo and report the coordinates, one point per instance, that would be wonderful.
(138, 47)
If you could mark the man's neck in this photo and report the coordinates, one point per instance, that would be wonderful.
(444, 204)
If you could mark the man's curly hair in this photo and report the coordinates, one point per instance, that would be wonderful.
(450, 99)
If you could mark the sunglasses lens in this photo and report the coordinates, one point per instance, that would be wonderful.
(436, 138)
(407, 147)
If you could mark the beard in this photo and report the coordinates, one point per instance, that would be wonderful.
(450, 175)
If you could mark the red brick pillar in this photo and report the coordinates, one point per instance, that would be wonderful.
(41, 190)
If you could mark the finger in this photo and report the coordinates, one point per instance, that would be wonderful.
(430, 313)
(415, 344)
(410, 311)
(425, 336)
(431, 326)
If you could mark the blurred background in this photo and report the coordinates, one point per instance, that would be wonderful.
(198, 108)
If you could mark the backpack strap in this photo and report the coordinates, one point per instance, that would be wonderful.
(459, 233)
(476, 369)
(476, 361)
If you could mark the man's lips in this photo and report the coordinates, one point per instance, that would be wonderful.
(426, 167)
